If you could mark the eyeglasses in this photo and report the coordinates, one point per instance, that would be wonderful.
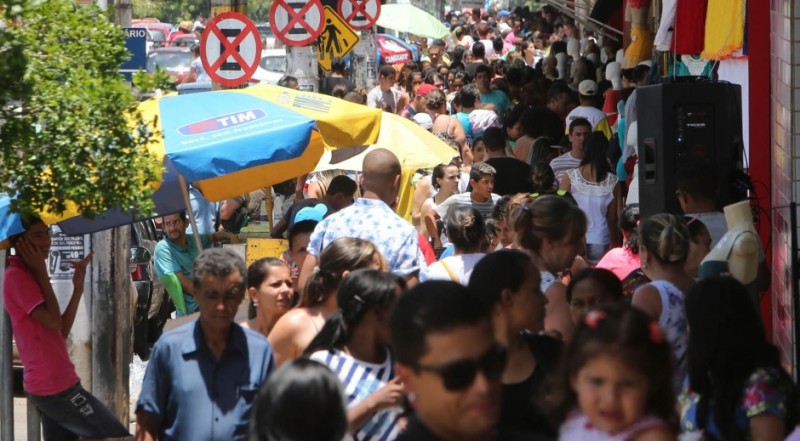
(459, 375)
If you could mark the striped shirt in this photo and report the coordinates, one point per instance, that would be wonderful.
(360, 380)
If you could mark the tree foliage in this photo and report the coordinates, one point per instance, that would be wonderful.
(173, 11)
(68, 134)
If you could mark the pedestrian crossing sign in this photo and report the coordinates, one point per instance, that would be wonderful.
(337, 39)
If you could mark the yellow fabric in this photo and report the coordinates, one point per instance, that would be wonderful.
(241, 182)
(724, 28)
(414, 146)
(602, 126)
(341, 123)
(640, 49)
(406, 194)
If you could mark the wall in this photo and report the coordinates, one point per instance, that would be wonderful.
(785, 133)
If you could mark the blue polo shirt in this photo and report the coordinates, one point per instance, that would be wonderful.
(172, 259)
(192, 396)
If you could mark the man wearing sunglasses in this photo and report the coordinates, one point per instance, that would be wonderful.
(449, 363)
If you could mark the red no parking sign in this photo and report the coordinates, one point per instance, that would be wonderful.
(230, 49)
(360, 14)
(297, 23)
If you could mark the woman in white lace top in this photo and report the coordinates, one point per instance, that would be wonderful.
(598, 194)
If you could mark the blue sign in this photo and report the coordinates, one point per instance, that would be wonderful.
(136, 43)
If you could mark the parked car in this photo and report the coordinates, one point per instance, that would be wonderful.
(175, 61)
(184, 40)
(153, 305)
(157, 33)
(272, 66)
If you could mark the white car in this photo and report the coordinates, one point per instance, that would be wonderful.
(272, 66)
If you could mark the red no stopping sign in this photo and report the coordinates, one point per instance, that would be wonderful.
(230, 49)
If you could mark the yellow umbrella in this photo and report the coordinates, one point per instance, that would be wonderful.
(414, 146)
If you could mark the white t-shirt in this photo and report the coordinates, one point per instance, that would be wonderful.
(460, 265)
(465, 199)
(596, 117)
(379, 99)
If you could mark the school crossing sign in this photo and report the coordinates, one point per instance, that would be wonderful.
(336, 40)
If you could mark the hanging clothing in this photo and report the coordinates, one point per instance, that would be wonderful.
(724, 33)
(689, 28)
(666, 28)
(641, 47)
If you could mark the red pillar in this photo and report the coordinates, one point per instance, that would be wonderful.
(760, 155)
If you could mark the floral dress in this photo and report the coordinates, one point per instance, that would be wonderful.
(765, 392)
(673, 322)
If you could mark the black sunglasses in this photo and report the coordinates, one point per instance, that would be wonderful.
(459, 375)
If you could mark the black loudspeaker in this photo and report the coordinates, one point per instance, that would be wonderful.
(684, 123)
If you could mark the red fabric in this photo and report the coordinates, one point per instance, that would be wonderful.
(427, 250)
(639, 3)
(629, 164)
(616, 21)
(610, 105)
(689, 28)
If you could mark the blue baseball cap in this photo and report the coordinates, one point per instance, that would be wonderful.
(315, 213)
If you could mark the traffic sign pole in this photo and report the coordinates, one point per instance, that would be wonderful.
(364, 61)
(230, 49)
(362, 15)
(302, 62)
(220, 7)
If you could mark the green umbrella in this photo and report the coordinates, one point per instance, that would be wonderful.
(411, 19)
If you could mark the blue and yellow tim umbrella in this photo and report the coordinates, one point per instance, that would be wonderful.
(231, 142)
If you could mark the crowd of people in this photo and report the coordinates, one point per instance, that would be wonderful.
(525, 299)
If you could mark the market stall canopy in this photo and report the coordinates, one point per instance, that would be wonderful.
(409, 18)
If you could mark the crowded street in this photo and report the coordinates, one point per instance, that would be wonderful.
(426, 220)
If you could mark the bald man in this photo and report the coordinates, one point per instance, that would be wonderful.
(372, 218)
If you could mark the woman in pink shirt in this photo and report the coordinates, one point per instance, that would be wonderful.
(40, 329)
(624, 261)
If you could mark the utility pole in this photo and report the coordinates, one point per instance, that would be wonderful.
(110, 317)
(124, 12)
(6, 365)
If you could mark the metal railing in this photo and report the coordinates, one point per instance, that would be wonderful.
(564, 6)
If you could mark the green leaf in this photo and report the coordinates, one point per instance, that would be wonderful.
(71, 131)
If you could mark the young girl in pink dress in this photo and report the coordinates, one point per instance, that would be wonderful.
(616, 380)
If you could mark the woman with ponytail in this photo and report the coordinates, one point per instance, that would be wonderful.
(467, 231)
(295, 329)
(663, 251)
(354, 343)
